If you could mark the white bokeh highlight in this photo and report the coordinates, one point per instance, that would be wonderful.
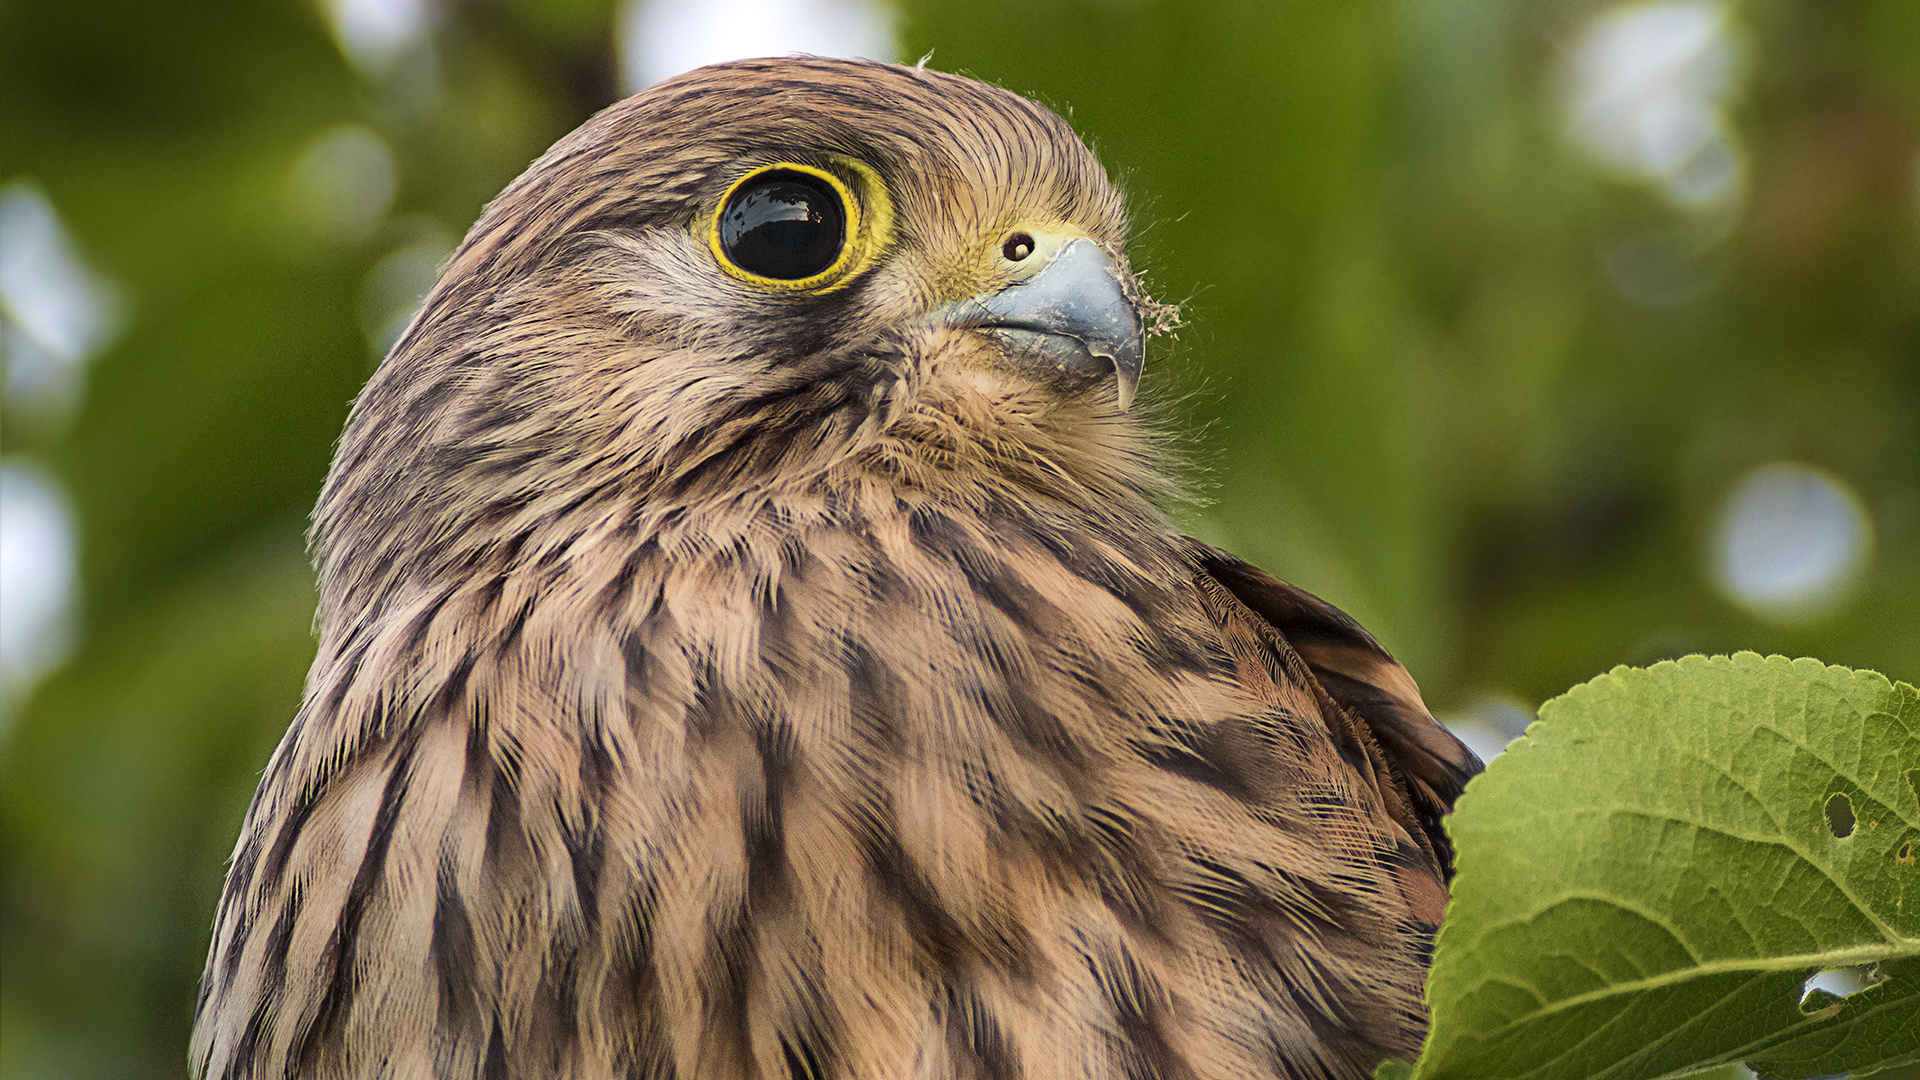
(1488, 723)
(1648, 86)
(55, 312)
(343, 183)
(659, 38)
(376, 33)
(36, 578)
(396, 284)
(1791, 543)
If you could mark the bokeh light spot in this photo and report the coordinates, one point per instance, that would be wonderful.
(1488, 723)
(55, 313)
(36, 577)
(400, 280)
(1791, 543)
(659, 38)
(344, 182)
(1647, 89)
(374, 33)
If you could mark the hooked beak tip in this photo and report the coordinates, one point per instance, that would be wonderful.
(1126, 379)
(1125, 395)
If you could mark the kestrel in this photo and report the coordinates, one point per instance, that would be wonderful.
(753, 646)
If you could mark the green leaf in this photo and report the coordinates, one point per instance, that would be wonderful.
(1649, 876)
(1393, 1069)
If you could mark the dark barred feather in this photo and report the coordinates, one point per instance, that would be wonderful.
(718, 684)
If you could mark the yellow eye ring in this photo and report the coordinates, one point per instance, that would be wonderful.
(795, 227)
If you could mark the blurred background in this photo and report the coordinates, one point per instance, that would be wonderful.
(1541, 335)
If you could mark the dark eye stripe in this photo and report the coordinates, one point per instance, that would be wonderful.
(783, 225)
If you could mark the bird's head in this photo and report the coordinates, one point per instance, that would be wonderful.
(754, 273)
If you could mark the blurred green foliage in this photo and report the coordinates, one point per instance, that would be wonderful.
(1417, 375)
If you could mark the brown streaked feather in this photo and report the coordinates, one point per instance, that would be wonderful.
(1365, 680)
(722, 684)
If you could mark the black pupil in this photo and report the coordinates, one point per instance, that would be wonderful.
(784, 225)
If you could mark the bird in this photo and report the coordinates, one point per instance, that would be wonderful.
(754, 642)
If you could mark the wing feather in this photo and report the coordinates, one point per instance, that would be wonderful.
(1366, 682)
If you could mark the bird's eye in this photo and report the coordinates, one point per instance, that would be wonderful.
(1018, 247)
(784, 224)
(793, 227)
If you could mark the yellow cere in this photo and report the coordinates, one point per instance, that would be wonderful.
(982, 264)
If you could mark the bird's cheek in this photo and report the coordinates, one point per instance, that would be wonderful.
(973, 377)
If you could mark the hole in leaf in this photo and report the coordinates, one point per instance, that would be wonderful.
(1823, 994)
(1840, 819)
(1913, 785)
(1905, 854)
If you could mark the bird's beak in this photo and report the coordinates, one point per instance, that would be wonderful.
(1074, 318)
